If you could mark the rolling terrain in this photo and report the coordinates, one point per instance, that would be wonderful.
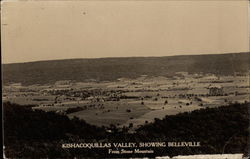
(37, 134)
(110, 69)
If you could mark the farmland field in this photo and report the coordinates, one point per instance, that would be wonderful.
(113, 113)
(131, 102)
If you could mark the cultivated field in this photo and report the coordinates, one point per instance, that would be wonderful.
(132, 102)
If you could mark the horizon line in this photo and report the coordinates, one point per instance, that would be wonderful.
(90, 58)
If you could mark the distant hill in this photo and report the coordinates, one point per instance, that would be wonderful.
(101, 69)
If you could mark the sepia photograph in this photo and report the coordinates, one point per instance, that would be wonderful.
(131, 79)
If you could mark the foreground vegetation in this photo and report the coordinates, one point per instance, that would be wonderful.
(36, 134)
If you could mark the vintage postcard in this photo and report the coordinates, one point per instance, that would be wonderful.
(164, 79)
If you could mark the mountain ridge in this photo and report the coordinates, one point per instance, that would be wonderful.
(101, 69)
(121, 57)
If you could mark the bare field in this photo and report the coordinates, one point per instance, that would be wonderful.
(160, 113)
(113, 113)
(32, 100)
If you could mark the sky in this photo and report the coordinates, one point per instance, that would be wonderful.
(48, 30)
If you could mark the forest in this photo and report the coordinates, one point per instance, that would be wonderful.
(110, 69)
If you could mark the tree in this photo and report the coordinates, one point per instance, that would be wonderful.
(128, 110)
(166, 102)
(131, 125)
